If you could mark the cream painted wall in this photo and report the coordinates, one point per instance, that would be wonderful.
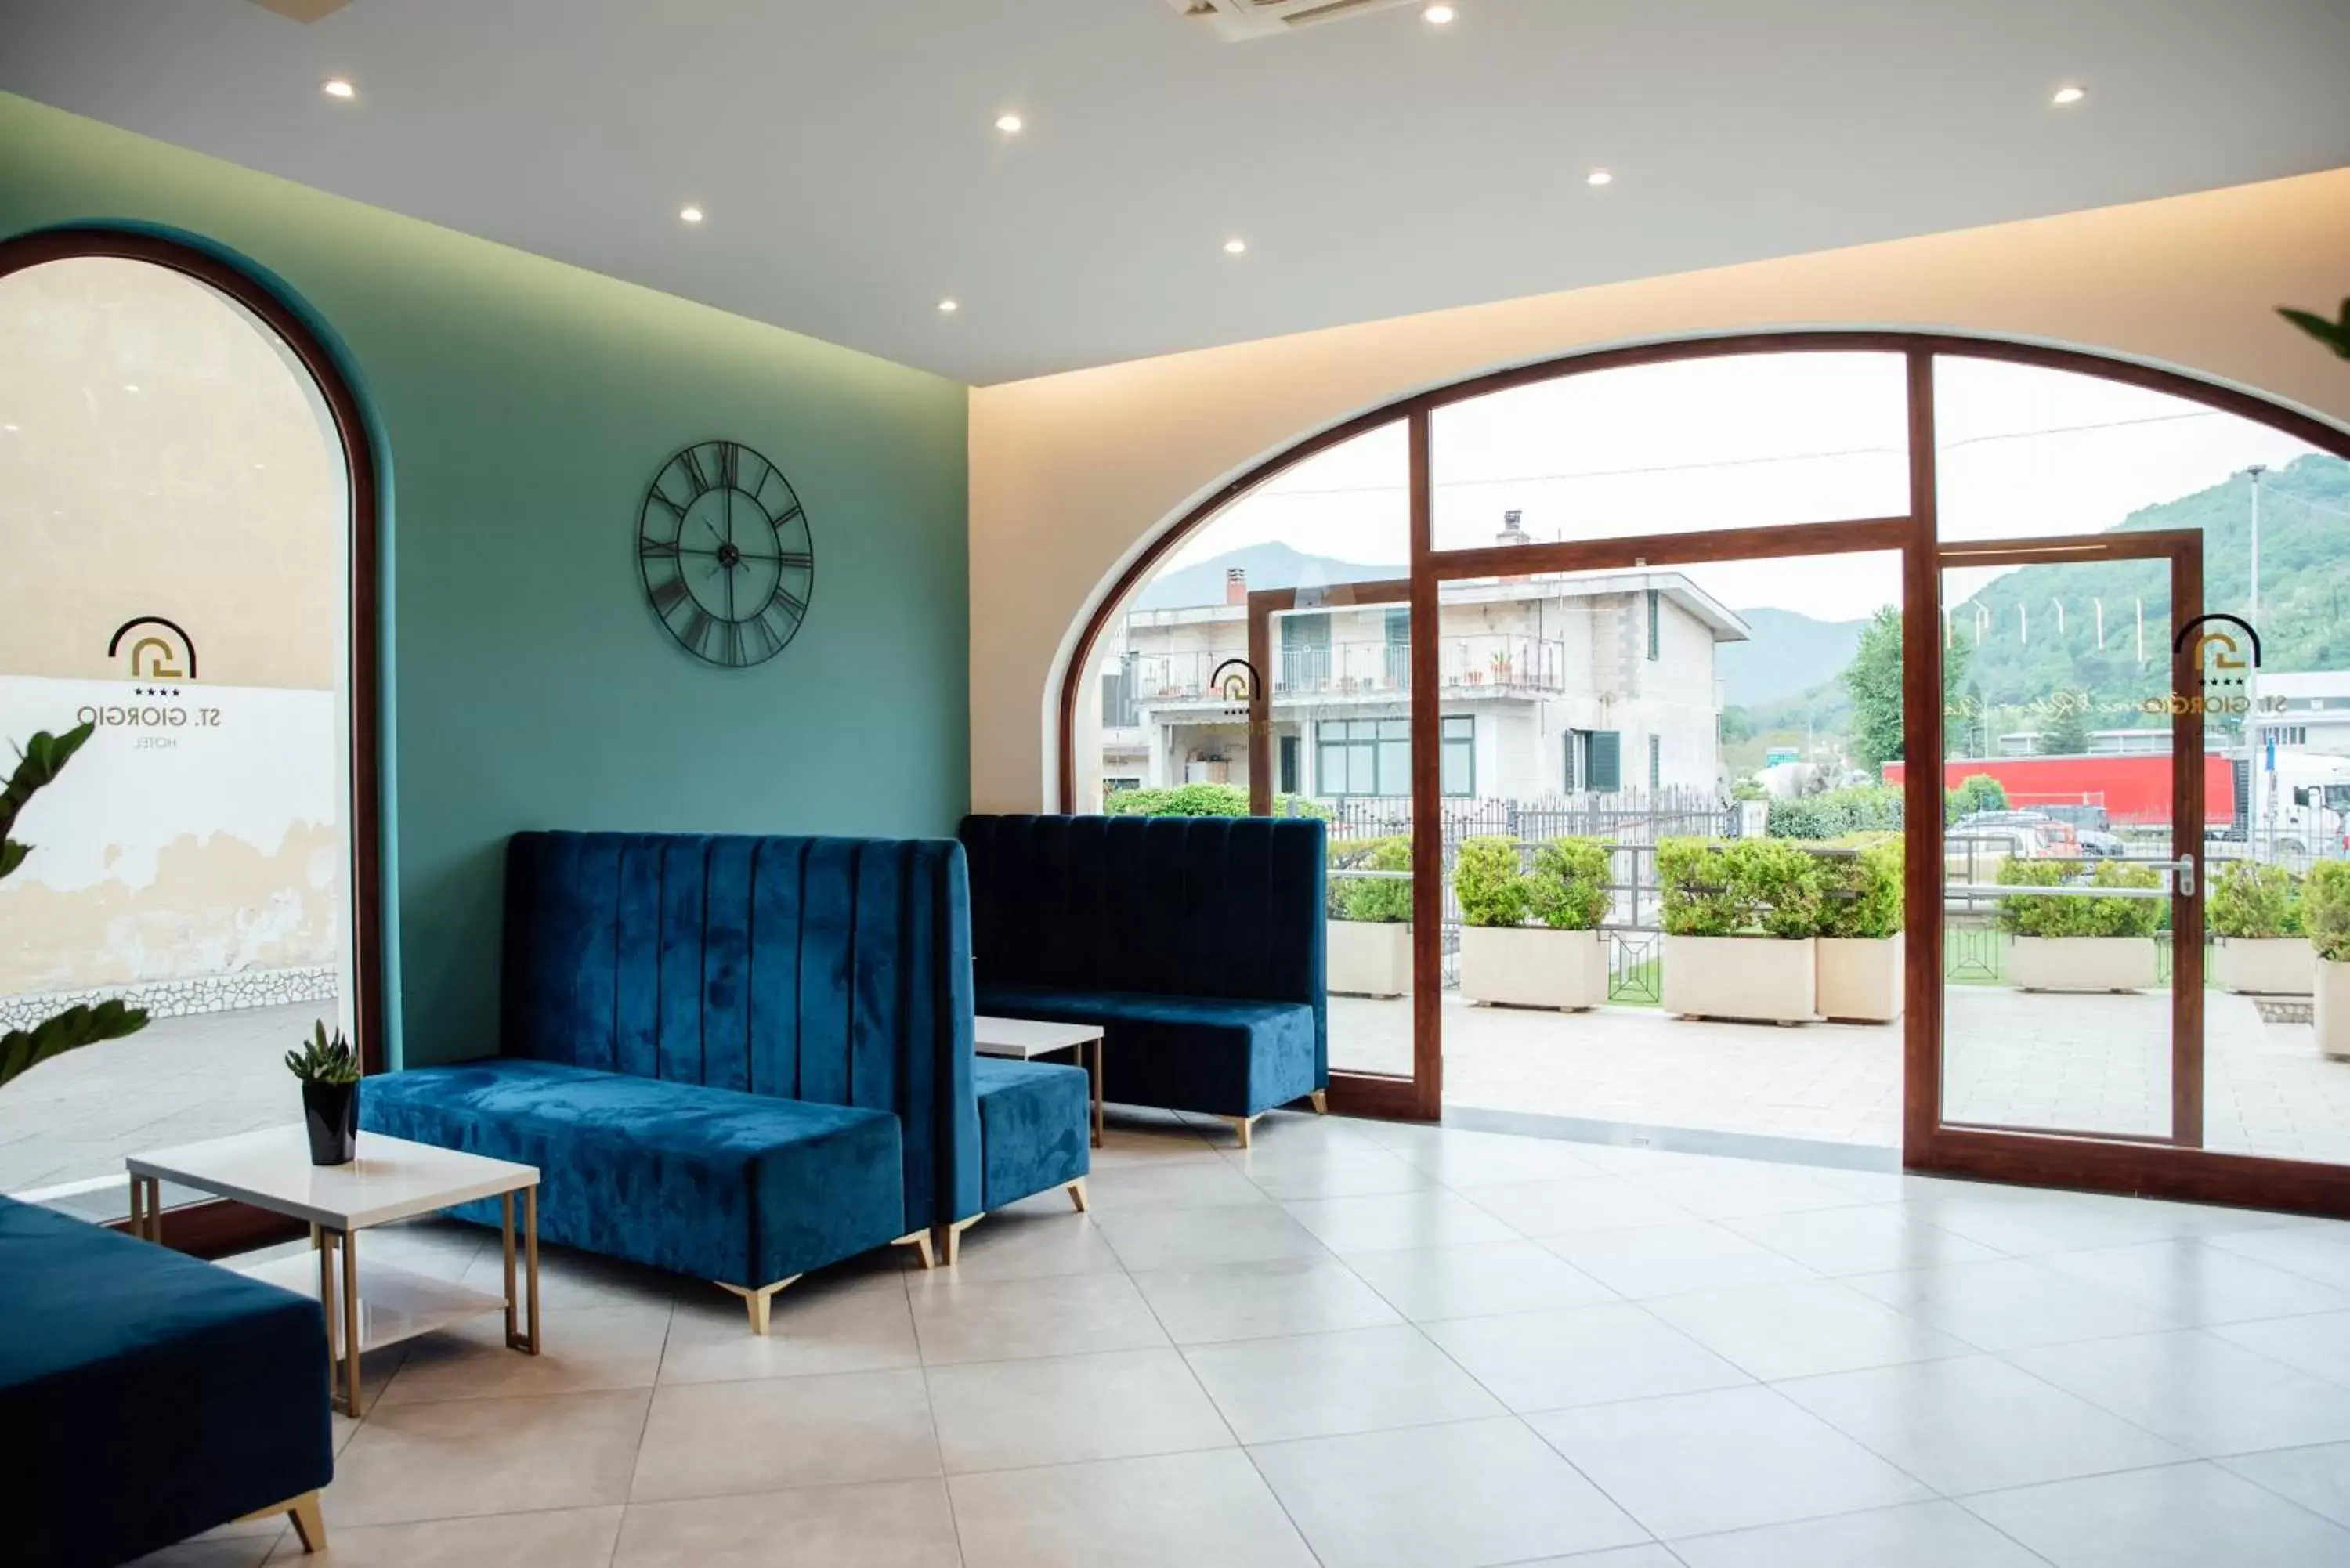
(1072, 474)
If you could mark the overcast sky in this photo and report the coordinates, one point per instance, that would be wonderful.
(1738, 441)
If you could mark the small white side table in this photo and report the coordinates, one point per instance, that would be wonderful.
(392, 1178)
(1025, 1038)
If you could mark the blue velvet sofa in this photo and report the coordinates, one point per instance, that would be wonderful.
(1196, 943)
(737, 1057)
(146, 1396)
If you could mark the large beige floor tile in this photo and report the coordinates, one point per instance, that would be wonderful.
(710, 1439)
(1224, 1233)
(1864, 1239)
(1916, 1535)
(1322, 1384)
(2186, 1516)
(1439, 1497)
(812, 1329)
(1255, 1299)
(884, 1524)
(1174, 1511)
(1801, 1330)
(580, 1350)
(1588, 1202)
(1393, 1221)
(561, 1538)
(2207, 1395)
(458, 1457)
(1033, 1242)
(1485, 1280)
(1061, 1314)
(1673, 1260)
(1581, 1355)
(1174, 1184)
(1005, 1415)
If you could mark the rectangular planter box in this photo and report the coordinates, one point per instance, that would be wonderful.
(2265, 966)
(1368, 958)
(2330, 1007)
(1742, 977)
(1533, 966)
(2082, 963)
(1860, 978)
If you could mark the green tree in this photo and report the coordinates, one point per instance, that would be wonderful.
(1874, 679)
(1737, 725)
(2066, 733)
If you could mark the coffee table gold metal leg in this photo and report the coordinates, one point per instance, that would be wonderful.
(351, 1324)
(505, 1224)
(530, 1229)
(1099, 1040)
(137, 1221)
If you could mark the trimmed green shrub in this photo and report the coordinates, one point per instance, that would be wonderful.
(1749, 887)
(1976, 791)
(2055, 915)
(1203, 800)
(1375, 900)
(1490, 883)
(1865, 808)
(2251, 901)
(1861, 892)
(2325, 909)
(1568, 888)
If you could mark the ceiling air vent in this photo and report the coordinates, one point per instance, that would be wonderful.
(1237, 21)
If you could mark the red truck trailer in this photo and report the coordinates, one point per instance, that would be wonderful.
(2135, 791)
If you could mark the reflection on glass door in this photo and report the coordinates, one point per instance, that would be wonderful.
(2073, 832)
(1331, 738)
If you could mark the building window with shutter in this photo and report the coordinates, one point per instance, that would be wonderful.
(1458, 763)
(1603, 762)
(1655, 633)
(1656, 762)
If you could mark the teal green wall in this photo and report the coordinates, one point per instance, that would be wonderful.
(521, 407)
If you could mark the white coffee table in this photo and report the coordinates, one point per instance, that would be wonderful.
(392, 1178)
(1025, 1038)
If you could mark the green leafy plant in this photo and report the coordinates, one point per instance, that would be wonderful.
(2062, 915)
(1861, 891)
(1491, 883)
(38, 763)
(2251, 902)
(1865, 808)
(1568, 888)
(2325, 909)
(1749, 887)
(1375, 900)
(324, 1061)
(1203, 800)
(2334, 335)
(1976, 791)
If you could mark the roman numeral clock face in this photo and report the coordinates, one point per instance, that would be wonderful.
(727, 558)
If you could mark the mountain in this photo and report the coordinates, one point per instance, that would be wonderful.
(1271, 565)
(2304, 620)
(1788, 654)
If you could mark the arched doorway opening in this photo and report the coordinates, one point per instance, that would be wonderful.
(1594, 543)
(191, 505)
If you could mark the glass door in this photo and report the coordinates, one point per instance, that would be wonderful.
(2074, 831)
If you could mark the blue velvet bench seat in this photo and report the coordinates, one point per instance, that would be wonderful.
(1195, 943)
(147, 1396)
(1035, 1130)
(747, 1188)
(737, 1057)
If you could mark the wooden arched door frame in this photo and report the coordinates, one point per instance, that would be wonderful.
(1928, 1142)
(217, 1227)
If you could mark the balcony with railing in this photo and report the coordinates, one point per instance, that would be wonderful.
(1487, 664)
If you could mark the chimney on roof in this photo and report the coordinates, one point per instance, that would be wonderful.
(1512, 529)
(1236, 584)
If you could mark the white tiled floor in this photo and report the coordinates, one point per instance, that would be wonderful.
(1369, 1345)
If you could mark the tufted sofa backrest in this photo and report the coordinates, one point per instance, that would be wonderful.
(831, 970)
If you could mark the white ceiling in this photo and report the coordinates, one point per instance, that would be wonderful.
(847, 155)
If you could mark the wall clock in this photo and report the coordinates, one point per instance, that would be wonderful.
(728, 561)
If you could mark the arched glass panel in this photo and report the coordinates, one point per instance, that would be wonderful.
(1684, 446)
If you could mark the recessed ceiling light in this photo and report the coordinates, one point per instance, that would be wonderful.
(1235, 247)
(1599, 177)
(690, 213)
(10, 429)
(1438, 15)
(335, 87)
(129, 388)
(948, 307)
(1010, 124)
(2066, 94)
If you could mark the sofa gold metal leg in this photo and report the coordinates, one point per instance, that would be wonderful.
(1321, 1098)
(756, 1299)
(309, 1523)
(1078, 1195)
(1241, 1125)
(950, 1239)
(920, 1241)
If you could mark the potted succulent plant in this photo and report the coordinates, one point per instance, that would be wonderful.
(1860, 944)
(1369, 930)
(2254, 913)
(1560, 963)
(329, 1071)
(2067, 943)
(1740, 921)
(2325, 913)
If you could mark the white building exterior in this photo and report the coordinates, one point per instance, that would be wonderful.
(1552, 685)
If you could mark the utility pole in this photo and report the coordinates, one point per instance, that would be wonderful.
(2263, 803)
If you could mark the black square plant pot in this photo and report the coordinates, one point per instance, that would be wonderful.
(330, 1115)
